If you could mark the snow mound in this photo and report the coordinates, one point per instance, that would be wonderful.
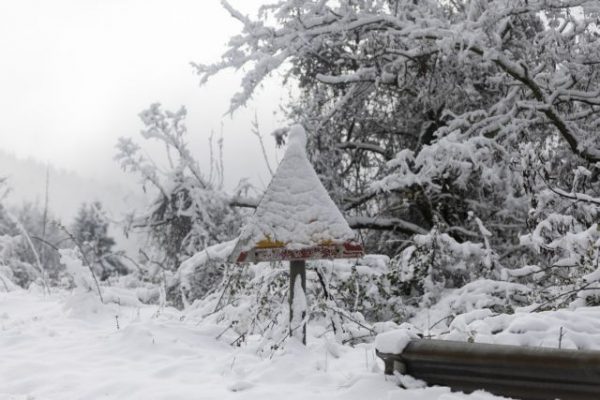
(394, 342)
(567, 329)
(150, 352)
(217, 253)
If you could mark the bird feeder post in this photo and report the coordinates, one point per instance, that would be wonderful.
(297, 271)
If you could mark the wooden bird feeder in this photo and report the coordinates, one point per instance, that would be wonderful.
(295, 221)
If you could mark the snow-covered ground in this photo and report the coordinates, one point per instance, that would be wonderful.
(68, 346)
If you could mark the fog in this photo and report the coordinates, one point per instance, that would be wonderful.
(76, 73)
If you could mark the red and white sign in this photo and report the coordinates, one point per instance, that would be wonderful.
(344, 250)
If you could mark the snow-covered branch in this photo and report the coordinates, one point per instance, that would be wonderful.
(243, 202)
(365, 146)
(382, 223)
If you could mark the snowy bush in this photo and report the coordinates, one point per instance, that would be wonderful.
(31, 237)
(83, 279)
(190, 210)
(460, 137)
(253, 299)
(20, 272)
(12, 271)
(90, 230)
(200, 274)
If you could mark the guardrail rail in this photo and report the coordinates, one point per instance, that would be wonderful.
(527, 373)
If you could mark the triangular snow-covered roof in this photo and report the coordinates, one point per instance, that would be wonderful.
(295, 211)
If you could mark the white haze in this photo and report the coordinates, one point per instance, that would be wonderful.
(75, 74)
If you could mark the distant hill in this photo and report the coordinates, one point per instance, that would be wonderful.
(67, 190)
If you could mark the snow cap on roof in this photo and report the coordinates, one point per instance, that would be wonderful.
(295, 211)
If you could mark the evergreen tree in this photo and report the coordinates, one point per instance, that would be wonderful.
(90, 230)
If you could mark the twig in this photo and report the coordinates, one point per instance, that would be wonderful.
(345, 315)
(256, 131)
(356, 338)
(222, 295)
(440, 320)
(45, 215)
(223, 332)
(239, 340)
(125, 256)
(4, 283)
(568, 292)
(162, 269)
(47, 243)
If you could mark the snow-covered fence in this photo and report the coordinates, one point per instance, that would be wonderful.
(529, 373)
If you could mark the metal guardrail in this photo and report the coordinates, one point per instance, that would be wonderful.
(520, 372)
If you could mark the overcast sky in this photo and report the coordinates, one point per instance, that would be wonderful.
(74, 74)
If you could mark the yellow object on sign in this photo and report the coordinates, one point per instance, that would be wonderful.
(267, 243)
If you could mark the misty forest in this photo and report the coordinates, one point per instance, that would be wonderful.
(455, 144)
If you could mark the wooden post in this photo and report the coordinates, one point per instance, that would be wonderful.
(297, 270)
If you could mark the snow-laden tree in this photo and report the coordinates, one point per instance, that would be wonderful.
(456, 121)
(30, 238)
(90, 230)
(12, 270)
(190, 210)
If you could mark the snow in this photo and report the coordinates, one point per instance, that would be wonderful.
(6, 284)
(473, 320)
(215, 254)
(74, 266)
(67, 346)
(573, 329)
(296, 209)
(462, 321)
(395, 341)
(523, 271)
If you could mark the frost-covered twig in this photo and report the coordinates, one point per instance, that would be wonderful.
(349, 317)
(579, 289)
(576, 196)
(256, 132)
(160, 266)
